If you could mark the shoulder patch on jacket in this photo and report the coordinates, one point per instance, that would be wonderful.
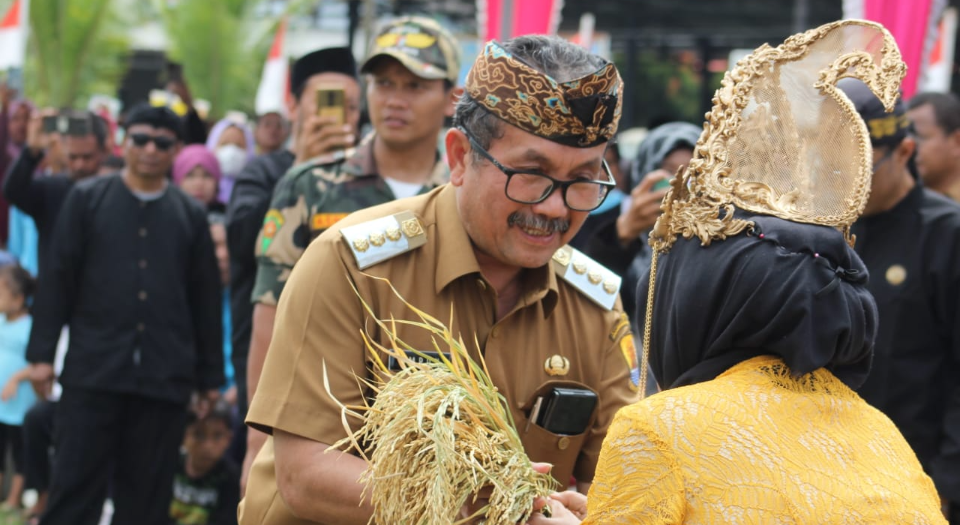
(375, 241)
(592, 279)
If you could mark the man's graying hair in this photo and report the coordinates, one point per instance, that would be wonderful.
(552, 55)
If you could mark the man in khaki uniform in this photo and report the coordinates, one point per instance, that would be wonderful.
(411, 75)
(526, 168)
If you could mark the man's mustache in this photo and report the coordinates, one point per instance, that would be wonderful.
(538, 222)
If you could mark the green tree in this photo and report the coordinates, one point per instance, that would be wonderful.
(76, 48)
(222, 45)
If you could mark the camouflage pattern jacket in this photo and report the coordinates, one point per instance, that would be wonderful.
(312, 197)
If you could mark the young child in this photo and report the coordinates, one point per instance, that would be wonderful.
(16, 288)
(206, 489)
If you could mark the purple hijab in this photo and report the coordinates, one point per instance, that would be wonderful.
(192, 156)
(226, 182)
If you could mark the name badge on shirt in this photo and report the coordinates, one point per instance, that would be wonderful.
(427, 357)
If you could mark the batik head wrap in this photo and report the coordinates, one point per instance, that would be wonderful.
(582, 113)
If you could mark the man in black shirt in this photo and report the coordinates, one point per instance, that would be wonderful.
(254, 188)
(909, 239)
(137, 283)
(42, 197)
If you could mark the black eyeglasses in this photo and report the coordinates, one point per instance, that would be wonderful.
(532, 188)
(161, 142)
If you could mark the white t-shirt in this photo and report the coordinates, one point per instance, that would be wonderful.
(402, 190)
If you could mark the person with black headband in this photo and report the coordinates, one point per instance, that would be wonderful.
(136, 281)
(254, 186)
(759, 324)
(526, 167)
(909, 239)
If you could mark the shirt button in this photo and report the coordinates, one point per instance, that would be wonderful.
(143, 232)
(481, 285)
(563, 443)
(143, 263)
(142, 295)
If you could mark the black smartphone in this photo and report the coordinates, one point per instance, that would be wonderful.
(56, 124)
(174, 72)
(567, 411)
(78, 126)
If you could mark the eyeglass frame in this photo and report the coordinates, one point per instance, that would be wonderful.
(610, 184)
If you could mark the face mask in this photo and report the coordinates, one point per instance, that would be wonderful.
(232, 158)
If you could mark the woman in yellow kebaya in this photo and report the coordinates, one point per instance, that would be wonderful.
(759, 324)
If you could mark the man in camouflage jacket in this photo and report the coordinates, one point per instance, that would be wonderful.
(411, 75)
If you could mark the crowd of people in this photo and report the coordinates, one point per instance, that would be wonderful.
(180, 315)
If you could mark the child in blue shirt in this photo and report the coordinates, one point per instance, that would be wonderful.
(16, 288)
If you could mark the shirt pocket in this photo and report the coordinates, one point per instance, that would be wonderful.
(541, 445)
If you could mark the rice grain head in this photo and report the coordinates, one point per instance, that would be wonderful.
(437, 433)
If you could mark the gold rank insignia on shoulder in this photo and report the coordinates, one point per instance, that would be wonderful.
(583, 273)
(375, 241)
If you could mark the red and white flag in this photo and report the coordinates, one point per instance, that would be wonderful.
(274, 83)
(13, 36)
(913, 24)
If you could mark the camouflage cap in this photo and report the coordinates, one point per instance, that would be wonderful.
(421, 45)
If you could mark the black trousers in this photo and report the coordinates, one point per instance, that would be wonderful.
(12, 436)
(38, 445)
(138, 436)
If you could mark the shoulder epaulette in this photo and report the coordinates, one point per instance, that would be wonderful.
(588, 276)
(375, 241)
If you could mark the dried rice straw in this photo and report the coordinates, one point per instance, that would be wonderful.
(439, 432)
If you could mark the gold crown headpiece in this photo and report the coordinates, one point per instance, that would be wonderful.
(783, 140)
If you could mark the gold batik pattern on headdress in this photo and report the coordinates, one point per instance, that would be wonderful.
(582, 112)
(783, 140)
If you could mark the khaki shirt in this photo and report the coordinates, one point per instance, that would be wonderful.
(319, 320)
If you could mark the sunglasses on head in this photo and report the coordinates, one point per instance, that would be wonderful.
(161, 142)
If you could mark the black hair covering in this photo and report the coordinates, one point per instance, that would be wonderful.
(156, 116)
(796, 291)
(330, 60)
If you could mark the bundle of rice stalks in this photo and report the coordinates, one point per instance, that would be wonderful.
(437, 433)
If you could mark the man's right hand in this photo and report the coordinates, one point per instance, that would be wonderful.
(41, 377)
(322, 135)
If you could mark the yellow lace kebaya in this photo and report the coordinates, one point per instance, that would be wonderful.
(759, 446)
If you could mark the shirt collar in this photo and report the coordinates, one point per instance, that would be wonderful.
(362, 161)
(456, 257)
(364, 164)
